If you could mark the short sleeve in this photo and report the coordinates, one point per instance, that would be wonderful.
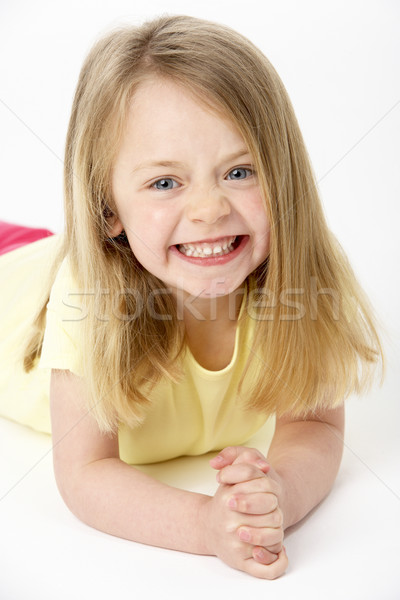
(62, 348)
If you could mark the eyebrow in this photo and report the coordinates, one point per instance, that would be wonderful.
(175, 164)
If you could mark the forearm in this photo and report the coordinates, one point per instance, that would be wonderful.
(114, 497)
(305, 456)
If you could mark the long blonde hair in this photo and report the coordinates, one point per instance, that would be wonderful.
(308, 355)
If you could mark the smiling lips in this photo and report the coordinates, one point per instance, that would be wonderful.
(208, 249)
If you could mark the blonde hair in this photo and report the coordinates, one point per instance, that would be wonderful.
(303, 363)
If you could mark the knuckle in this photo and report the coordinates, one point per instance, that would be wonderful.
(224, 473)
(257, 538)
(276, 548)
(273, 502)
(229, 528)
(275, 488)
(250, 453)
(231, 451)
(250, 471)
(244, 455)
(257, 473)
(262, 484)
(243, 505)
(277, 517)
(238, 547)
(273, 537)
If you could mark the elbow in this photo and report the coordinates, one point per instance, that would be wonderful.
(70, 490)
(77, 491)
(85, 491)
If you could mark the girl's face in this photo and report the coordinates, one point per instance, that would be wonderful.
(187, 195)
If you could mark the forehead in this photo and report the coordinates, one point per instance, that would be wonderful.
(166, 113)
(164, 90)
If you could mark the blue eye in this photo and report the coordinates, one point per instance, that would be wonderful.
(239, 173)
(164, 184)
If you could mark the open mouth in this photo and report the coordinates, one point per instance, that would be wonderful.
(219, 247)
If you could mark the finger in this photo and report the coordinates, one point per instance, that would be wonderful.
(252, 456)
(238, 473)
(257, 504)
(225, 457)
(263, 555)
(238, 454)
(261, 484)
(267, 571)
(267, 537)
(254, 521)
(275, 548)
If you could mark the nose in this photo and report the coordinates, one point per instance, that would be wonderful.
(207, 206)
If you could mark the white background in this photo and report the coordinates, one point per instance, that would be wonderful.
(340, 63)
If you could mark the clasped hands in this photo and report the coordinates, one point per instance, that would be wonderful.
(244, 521)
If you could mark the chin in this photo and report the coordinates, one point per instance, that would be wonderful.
(214, 289)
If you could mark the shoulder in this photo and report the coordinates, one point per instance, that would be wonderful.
(38, 253)
(26, 276)
(65, 292)
(65, 315)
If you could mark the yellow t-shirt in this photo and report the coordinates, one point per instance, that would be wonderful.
(199, 414)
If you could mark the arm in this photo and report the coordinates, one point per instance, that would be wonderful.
(305, 456)
(109, 495)
(106, 493)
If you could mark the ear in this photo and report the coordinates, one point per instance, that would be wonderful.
(115, 226)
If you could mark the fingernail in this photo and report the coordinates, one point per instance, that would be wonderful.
(232, 502)
(261, 555)
(218, 458)
(262, 464)
(244, 535)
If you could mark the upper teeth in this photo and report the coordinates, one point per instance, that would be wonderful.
(204, 249)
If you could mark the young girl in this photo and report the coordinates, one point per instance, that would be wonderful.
(195, 294)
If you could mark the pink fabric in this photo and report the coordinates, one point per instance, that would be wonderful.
(13, 236)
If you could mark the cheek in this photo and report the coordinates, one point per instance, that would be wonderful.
(149, 232)
(143, 219)
(261, 227)
(261, 246)
(257, 214)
